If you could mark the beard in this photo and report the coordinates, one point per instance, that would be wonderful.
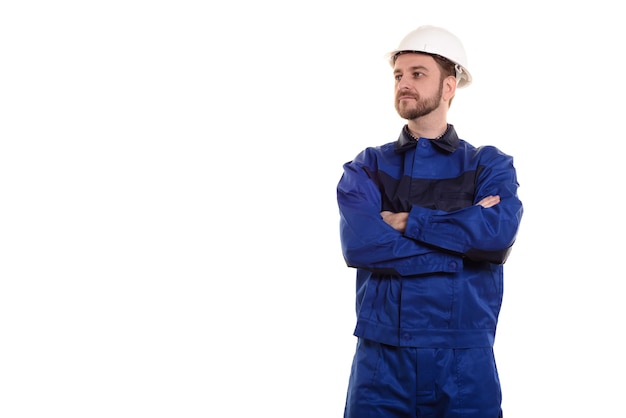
(421, 107)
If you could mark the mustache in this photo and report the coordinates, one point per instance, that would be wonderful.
(405, 94)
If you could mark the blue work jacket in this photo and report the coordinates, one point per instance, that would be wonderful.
(440, 283)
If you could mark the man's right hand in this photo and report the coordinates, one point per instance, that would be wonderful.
(489, 201)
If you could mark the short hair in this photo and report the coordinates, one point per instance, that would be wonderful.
(447, 67)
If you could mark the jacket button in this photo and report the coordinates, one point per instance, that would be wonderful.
(406, 336)
(452, 265)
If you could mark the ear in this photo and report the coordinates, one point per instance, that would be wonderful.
(449, 88)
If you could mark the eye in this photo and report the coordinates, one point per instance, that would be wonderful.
(397, 77)
(417, 74)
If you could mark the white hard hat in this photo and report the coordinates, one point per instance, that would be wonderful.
(438, 41)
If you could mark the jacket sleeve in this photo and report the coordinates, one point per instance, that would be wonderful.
(369, 243)
(482, 234)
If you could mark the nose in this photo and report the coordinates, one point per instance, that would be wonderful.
(402, 83)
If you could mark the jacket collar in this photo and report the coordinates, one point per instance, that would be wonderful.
(448, 142)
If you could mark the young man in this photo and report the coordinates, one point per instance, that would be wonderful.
(427, 221)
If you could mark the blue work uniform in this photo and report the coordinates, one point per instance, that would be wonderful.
(427, 299)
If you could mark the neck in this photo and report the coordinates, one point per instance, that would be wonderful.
(430, 132)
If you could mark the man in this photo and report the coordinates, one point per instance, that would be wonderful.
(427, 221)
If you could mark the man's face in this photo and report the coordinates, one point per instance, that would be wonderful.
(418, 88)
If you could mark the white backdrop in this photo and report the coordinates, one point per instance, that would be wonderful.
(169, 227)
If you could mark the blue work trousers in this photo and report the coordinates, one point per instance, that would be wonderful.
(409, 382)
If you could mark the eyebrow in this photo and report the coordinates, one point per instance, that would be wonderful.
(416, 67)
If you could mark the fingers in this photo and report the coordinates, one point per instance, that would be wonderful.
(489, 201)
(397, 221)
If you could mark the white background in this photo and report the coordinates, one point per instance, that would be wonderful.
(169, 229)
